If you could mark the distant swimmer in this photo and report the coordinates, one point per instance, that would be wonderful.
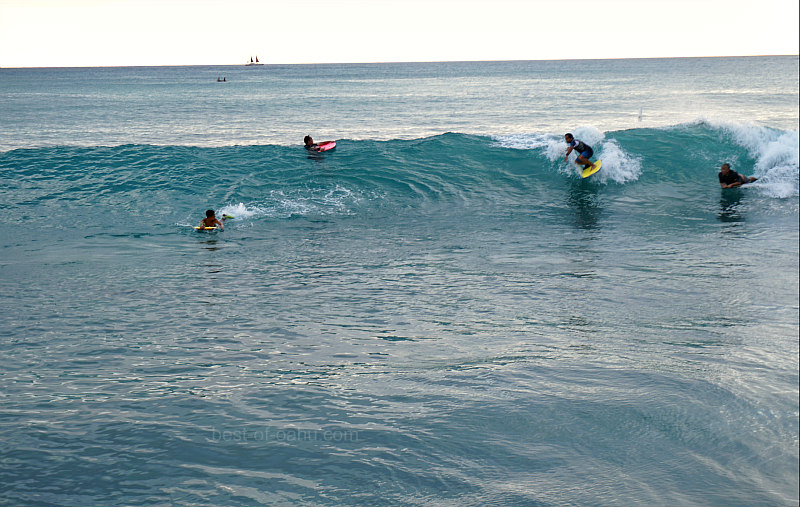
(211, 222)
(728, 178)
(583, 150)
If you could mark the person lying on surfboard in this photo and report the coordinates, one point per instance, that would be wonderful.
(211, 221)
(311, 145)
(728, 178)
(583, 150)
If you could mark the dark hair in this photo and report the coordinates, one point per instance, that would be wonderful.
(209, 213)
(725, 165)
(306, 139)
(569, 135)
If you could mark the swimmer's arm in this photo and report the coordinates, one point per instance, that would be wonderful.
(569, 150)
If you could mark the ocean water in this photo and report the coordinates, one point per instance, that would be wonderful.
(438, 312)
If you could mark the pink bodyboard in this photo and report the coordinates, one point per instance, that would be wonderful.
(327, 146)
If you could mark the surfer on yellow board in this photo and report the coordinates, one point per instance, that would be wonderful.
(583, 150)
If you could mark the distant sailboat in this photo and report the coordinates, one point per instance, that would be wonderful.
(256, 62)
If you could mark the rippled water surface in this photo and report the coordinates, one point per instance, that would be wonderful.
(414, 318)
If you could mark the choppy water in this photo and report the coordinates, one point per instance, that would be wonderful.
(419, 317)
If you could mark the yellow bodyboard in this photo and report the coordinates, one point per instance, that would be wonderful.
(588, 172)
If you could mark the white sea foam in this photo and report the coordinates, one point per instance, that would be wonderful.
(280, 204)
(241, 211)
(523, 141)
(618, 166)
(776, 154)
(552, 146)
(589, 135)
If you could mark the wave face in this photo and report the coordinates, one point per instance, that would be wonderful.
(371, 177)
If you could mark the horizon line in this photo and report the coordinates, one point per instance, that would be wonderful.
(264, 64)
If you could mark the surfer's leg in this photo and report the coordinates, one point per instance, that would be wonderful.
(583, 158)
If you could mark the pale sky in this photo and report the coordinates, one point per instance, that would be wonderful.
(67, 33)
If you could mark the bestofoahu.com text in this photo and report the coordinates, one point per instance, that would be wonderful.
(267, 434)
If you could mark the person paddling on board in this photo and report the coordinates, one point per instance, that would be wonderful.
(583, 150)
(211, 221)
(311, 145)
(728, 178)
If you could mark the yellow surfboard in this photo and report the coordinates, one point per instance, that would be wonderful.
(588, 172)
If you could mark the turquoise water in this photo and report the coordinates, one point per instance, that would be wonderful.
(437, 312)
